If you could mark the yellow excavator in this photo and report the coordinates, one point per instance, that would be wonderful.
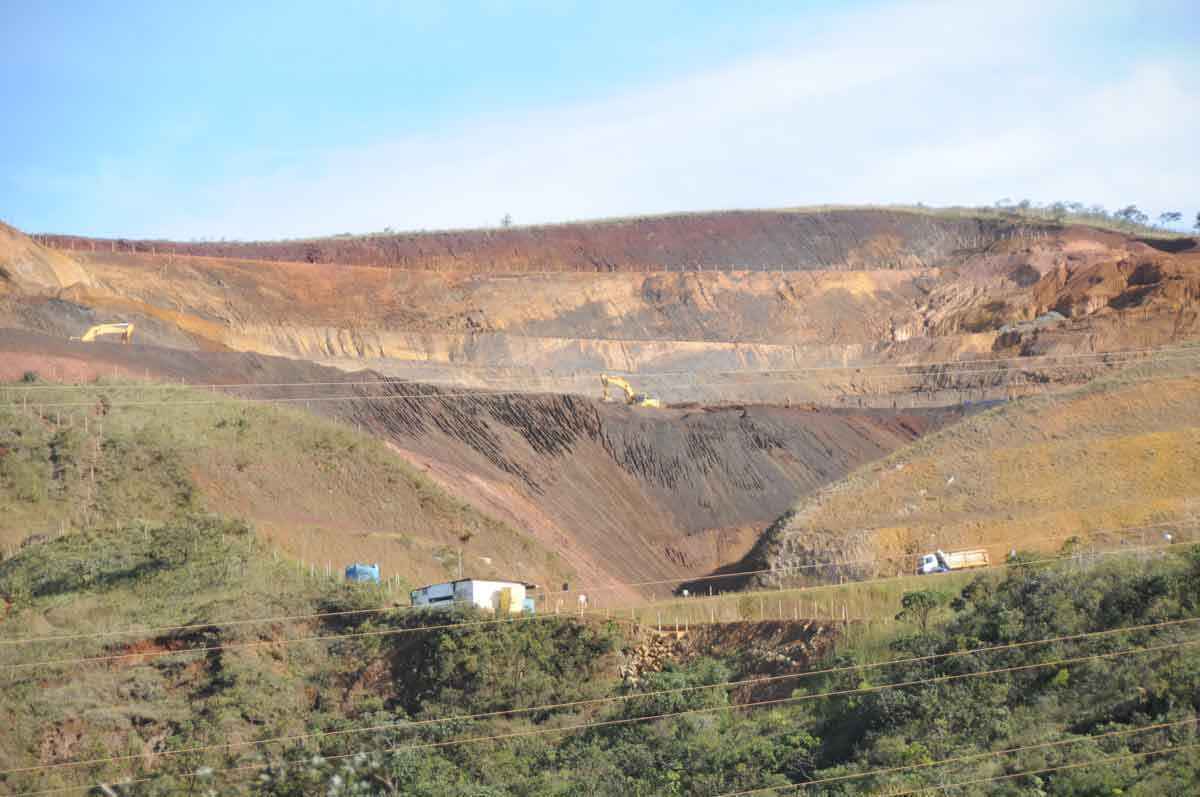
(122, 328)
(631, 397)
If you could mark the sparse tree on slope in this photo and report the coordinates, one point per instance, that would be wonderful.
(917, 606)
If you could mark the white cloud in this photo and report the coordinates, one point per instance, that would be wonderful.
(938, 102)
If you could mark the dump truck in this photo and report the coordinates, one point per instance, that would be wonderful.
(631, 396)
(941, 562)
(122, 328)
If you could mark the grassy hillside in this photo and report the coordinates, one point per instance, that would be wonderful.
(320, 491)
(419, 689)
(1120, 452)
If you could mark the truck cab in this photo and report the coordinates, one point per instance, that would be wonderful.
(931, 563)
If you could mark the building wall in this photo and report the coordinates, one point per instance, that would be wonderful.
(484, 594)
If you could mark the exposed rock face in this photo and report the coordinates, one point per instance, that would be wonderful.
(26, 267)
(762, 648)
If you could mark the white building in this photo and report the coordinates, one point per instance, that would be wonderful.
(491, 595)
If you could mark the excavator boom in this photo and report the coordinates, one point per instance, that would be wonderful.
(631, 397)
(123, 328)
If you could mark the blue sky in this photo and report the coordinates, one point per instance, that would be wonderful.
(292, 118)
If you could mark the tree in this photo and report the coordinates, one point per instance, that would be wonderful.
(1169, 218)
(1132, 215)
(917, 606)
(1196, 226)
(506, 221)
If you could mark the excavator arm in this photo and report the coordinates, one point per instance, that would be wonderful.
(617, 382)
(631, 396)
(123, 328)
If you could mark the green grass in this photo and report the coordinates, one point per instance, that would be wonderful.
(872, 602)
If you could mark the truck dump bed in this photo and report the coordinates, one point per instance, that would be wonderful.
(963, 560)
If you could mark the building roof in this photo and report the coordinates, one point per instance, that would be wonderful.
(524, 584)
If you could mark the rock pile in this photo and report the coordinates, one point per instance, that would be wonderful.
(652, 654)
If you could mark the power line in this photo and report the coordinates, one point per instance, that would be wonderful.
(148, 654)
(708, 710)
(958, 759)
(915, 369)
(391, 631)
(608, 616)
(687, 377)
(632, 696)
(791, 570)
(484, 393)
(1020, 377)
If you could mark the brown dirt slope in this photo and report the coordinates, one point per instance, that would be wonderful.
(1119, 453)
(623, 494)
(26, 267)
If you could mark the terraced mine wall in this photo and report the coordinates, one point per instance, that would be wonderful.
(959, 289)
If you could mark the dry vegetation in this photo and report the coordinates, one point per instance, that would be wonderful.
(1120, 453)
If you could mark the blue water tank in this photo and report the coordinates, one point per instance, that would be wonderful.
(360, 572)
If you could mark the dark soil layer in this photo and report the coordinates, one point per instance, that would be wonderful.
(752, 240)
